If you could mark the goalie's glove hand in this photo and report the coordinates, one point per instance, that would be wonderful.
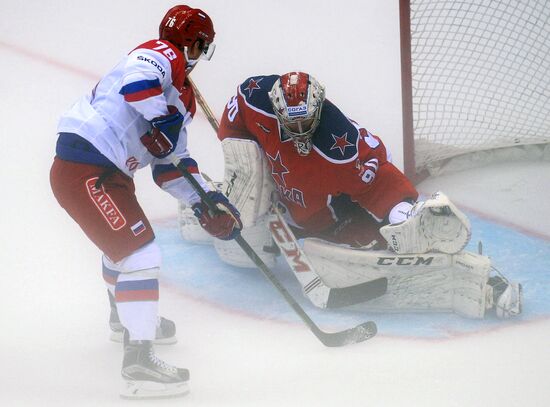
(161, 140)
(225, 223)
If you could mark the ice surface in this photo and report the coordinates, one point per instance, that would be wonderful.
(53, 308)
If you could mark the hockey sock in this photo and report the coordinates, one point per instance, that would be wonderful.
(136, 296)
(110, 277)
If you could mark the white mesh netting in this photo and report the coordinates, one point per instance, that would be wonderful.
(480, 76)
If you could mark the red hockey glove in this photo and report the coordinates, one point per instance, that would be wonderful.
(225, 224)
(164, 135)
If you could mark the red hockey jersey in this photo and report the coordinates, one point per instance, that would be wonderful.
(346, 159)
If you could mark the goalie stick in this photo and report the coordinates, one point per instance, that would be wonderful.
(204, 106)
(356, 334)
(314, 288)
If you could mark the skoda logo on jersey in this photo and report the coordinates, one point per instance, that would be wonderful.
(154, 63)
(295, 111)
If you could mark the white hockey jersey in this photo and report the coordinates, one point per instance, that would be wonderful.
(118, 111)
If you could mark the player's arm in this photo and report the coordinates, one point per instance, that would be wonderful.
(147, 75)
(407, 225)
(375, 183)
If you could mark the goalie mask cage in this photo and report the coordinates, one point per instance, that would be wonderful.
(475, 77)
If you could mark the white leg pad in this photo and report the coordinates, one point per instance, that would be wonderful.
(190, 229)
(247, 183)
(257, 237)
(427, 282)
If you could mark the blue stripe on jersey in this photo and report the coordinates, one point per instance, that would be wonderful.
(110, 276)
(72, 147)
(139, 86)
(137, 285)
(161, 169)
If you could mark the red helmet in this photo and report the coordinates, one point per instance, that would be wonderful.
(183, 25)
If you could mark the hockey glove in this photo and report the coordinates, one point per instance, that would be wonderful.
(161, 140)
(225, 223)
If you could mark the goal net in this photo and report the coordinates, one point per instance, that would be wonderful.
(476, 77)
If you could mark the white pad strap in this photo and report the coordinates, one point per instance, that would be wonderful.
(434, 225)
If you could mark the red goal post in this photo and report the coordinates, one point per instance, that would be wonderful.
(475, 78)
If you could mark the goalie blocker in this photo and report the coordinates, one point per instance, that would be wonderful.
(426, 269)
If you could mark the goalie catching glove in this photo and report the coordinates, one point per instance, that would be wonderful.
(433, 225)
(225, 223)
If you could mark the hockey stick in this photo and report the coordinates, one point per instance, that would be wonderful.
(315, 289)
(204, 106)
(356, 334)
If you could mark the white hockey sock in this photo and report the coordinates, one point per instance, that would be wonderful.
(136, 296)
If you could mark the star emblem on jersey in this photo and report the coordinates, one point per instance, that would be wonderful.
(277, 167)
(252, 85)
(341, 142)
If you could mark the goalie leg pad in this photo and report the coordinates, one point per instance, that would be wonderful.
(190, 228)
(247, 182)
(434, 225)
(426, 282)
(258, 236)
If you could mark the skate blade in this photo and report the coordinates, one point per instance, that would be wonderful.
(118, 337)
(137, 389)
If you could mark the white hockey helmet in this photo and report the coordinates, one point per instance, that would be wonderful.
(297, 100)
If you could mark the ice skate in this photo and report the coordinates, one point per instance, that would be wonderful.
(147, 376)
(507, 297)
(166, 329)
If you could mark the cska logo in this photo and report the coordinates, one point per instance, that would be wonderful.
(105, 204)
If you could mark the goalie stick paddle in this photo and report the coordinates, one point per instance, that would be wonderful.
(356, 334)
(304, 271)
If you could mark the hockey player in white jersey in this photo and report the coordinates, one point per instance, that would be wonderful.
(137, 115)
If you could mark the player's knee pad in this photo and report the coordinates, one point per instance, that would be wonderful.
(146, 257)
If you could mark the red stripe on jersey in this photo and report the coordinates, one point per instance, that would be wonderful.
(136, 295)
(171, 175)
(167, 176)
(142, 95)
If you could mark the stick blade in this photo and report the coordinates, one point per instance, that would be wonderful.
(357, 294)
(350, 336)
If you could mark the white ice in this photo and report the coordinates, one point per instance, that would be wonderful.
(53, 310)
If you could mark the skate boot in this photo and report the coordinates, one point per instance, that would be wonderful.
(166, 329)
(146, 376)
(507, 297)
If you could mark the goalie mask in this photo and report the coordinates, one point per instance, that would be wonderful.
(297, 100)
